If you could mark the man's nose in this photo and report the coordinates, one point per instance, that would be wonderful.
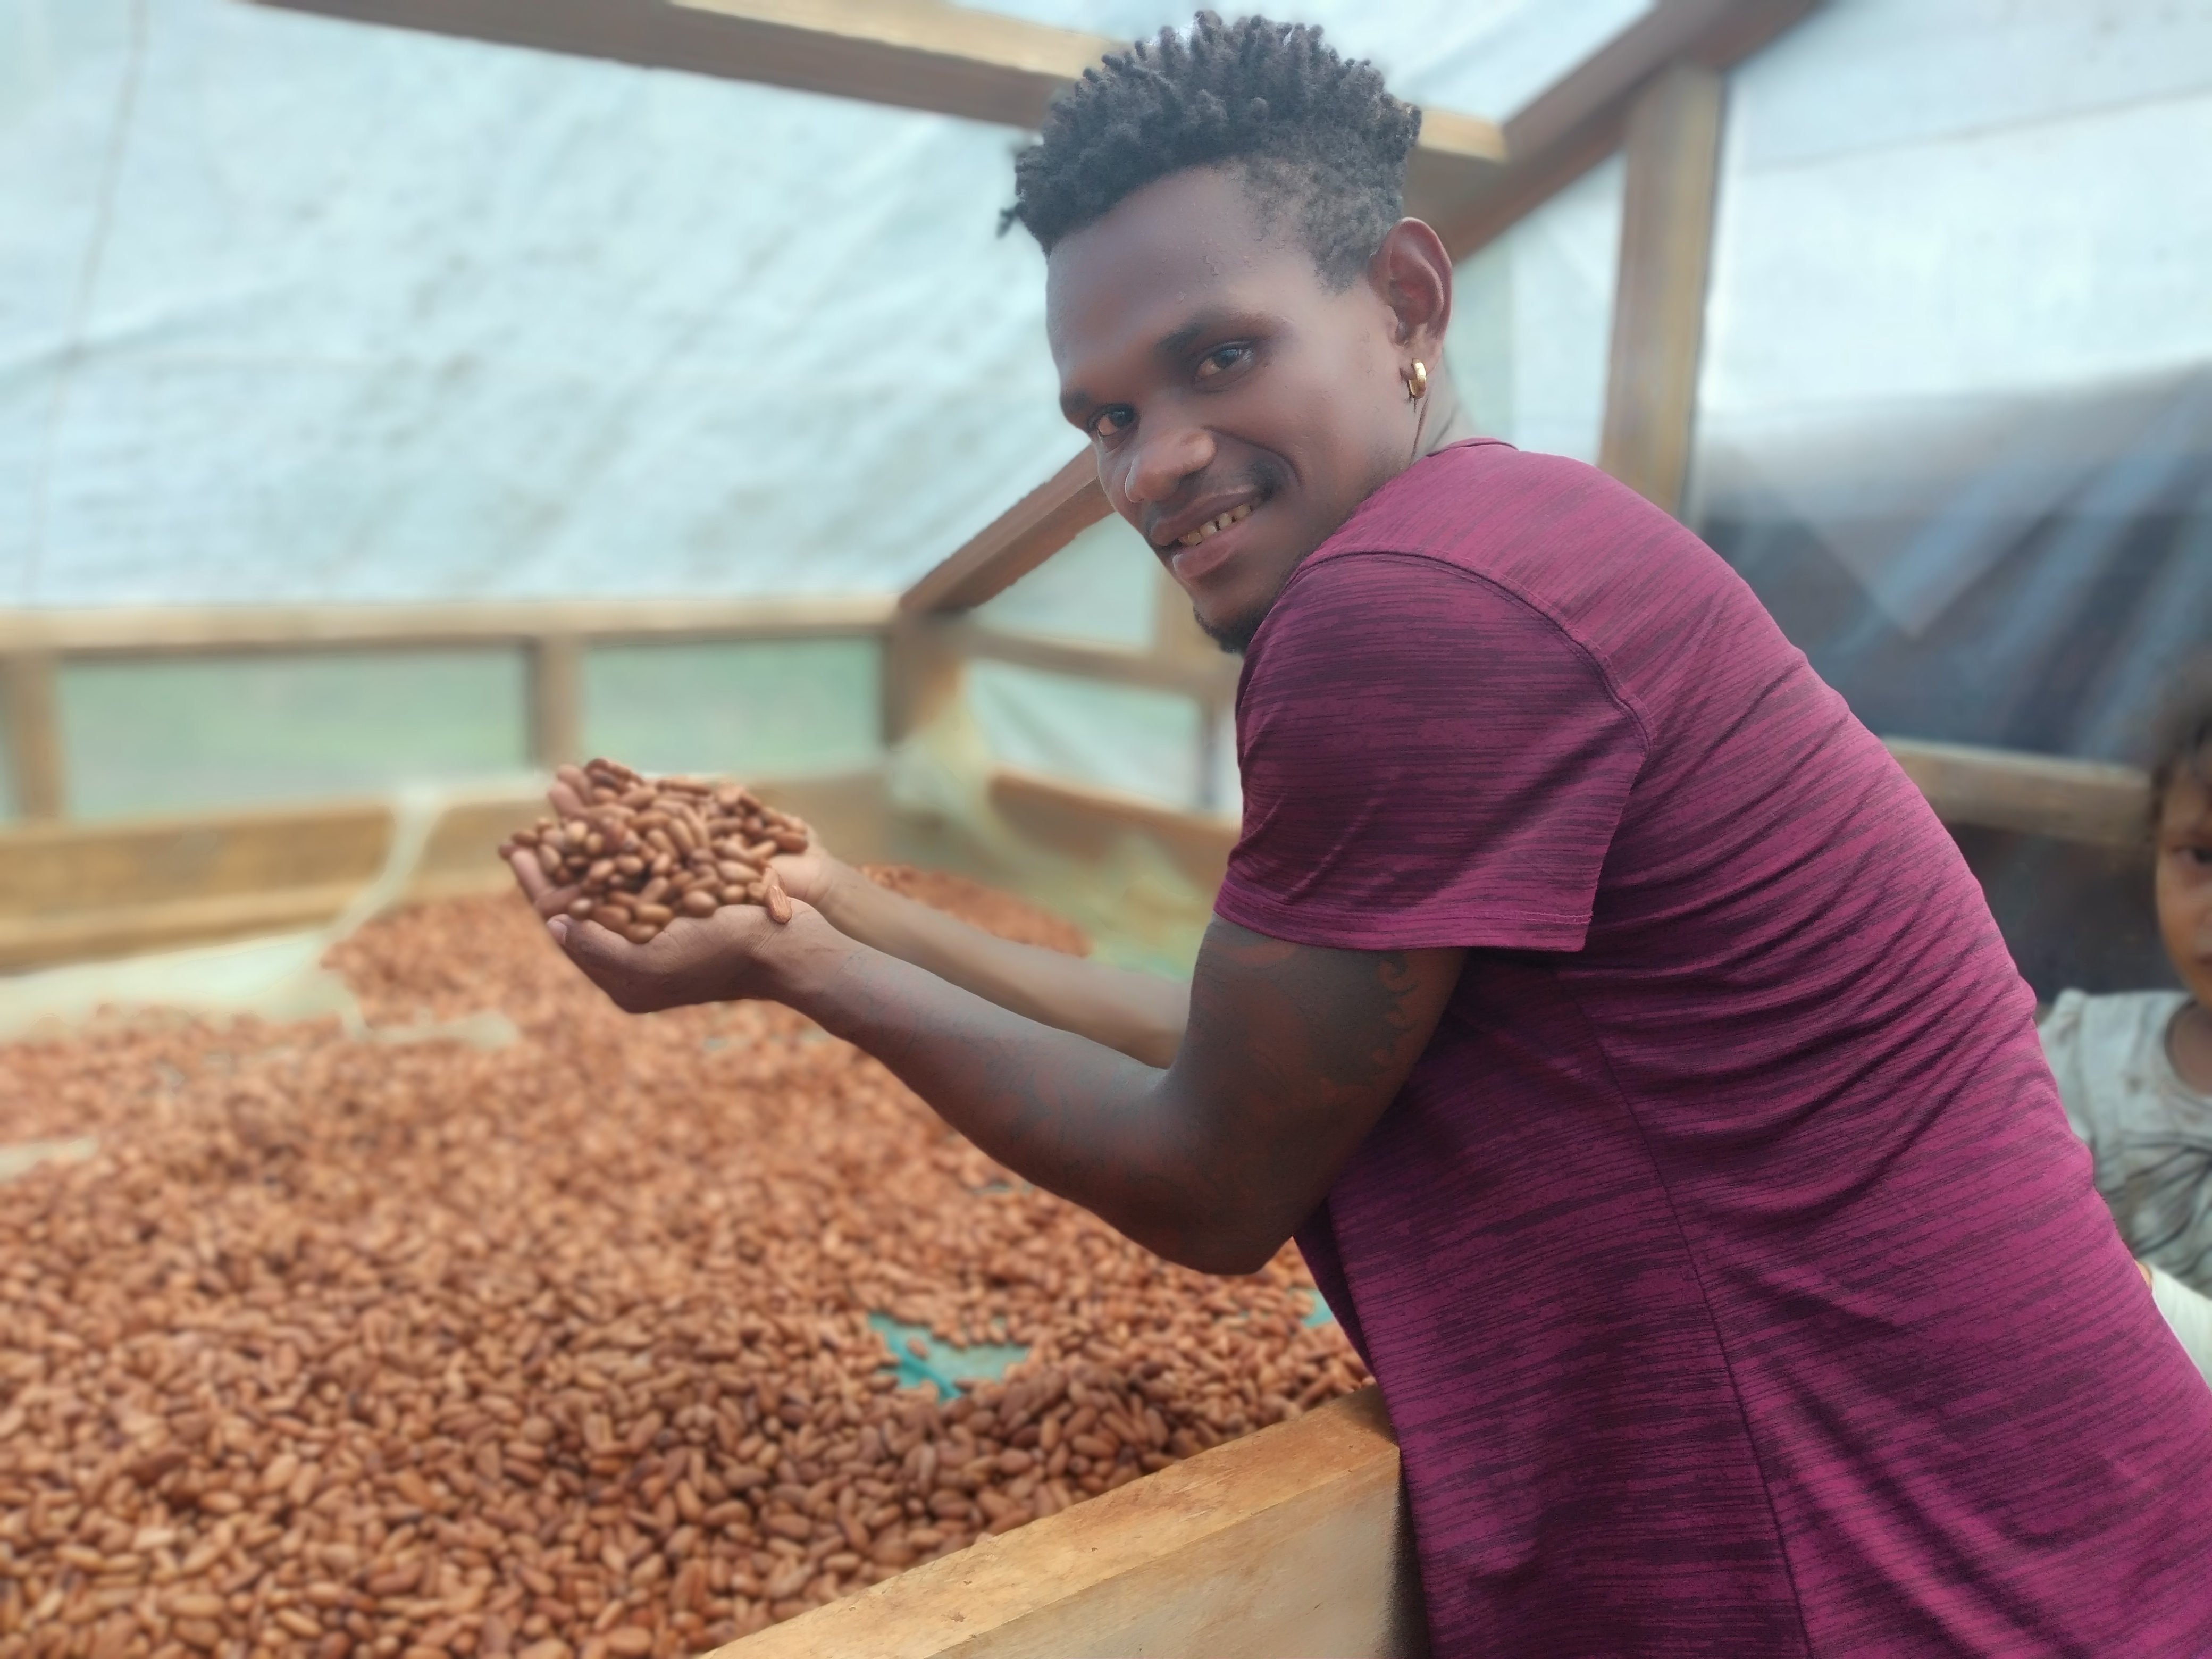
(1158, 464)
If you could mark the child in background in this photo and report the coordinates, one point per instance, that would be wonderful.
(2136, 1070)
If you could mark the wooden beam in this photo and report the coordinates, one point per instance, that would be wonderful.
(915, 54)
(1290, 1540)
(557, 700)
(1582, 117)
(1673, 151)
(2089, 801)
(1015, 542)
(918, 54)
(912, 53)
(187, 629)
(1206, 677)
(29, 689)
(1086, 823)
(921, 675)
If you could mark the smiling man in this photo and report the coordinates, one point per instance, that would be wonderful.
(1623, 1040)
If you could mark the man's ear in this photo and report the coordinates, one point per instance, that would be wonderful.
(1413, 275)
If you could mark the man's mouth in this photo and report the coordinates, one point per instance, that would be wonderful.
(1214, 526)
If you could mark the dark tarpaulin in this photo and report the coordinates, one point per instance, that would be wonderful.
(2030, 573)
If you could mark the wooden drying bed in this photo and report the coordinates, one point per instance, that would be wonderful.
(1290, 1540)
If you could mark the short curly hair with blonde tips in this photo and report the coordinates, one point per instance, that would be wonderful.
(1313, 135)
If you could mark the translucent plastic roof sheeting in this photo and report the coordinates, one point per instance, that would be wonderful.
(1956, 412)
(1955, 421)
(1532, 321)
(295, 309)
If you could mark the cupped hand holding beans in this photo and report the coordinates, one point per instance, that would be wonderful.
(628, 857)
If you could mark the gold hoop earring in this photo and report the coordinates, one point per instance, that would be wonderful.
(1417, 383)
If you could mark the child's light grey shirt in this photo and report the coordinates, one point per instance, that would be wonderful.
(2149, 1133)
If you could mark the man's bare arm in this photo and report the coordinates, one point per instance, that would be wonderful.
(1291, 1054)
(1140, 1015)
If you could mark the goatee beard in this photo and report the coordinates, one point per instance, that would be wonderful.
(1235, 638)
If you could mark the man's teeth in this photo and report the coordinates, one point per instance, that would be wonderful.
(1214, 526)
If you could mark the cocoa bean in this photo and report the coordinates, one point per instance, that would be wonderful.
(420, 1348)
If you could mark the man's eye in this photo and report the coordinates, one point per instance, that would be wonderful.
(1221, 360)
(1108, 421)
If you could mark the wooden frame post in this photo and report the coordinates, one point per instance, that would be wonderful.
(557, 699)
(1666, 248)
(28, 679)
(922, 674)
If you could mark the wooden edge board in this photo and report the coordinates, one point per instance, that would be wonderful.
(1288, 1540)
(146, 630)
(2085, 801)
(127, 930)
(2089, 801)
(90, 890)
(53, 870)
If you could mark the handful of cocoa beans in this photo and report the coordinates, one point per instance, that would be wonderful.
(644, 851)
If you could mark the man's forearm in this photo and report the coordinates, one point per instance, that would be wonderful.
(1291, 1053)
(1065, 1111)
(1140, 1015)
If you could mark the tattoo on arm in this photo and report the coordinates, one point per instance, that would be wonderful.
(1291, 1053)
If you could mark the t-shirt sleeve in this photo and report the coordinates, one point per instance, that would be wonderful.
(1427, 760)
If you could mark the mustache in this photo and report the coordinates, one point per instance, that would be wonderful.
(1262, 475)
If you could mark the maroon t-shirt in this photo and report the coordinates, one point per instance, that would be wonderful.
(1732, 1279)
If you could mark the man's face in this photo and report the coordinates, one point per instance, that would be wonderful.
(1240, 410)
(2184, 884)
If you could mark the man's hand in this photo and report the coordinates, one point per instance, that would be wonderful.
(736, 953)
(811, 875)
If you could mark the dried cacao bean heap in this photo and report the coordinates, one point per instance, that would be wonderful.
(644, 851)
(406, 1344)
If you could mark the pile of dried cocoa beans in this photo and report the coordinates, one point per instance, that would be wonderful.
(644, 851)
(405, 1346)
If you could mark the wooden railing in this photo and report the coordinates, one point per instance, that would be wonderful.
(34, 645)
(74, 891)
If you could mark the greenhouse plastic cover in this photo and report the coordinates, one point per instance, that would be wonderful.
(298, 309)
(1956, 410)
